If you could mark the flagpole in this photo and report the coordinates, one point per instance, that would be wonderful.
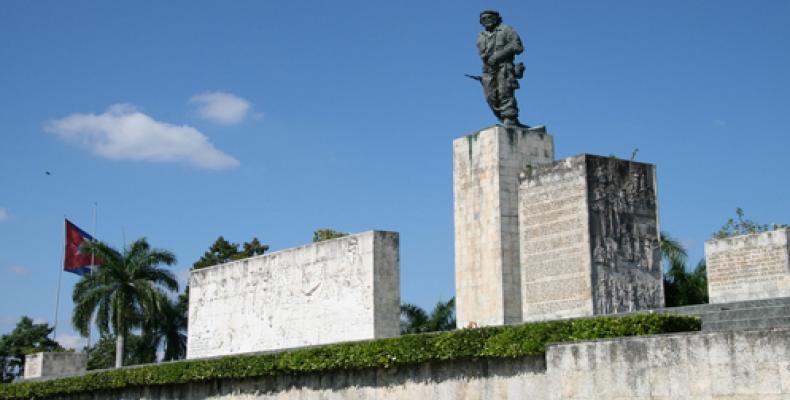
(60, 276)
(93, 260)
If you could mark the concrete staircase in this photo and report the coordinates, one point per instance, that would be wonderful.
(752, 314)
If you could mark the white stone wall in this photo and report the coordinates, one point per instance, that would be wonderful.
(333, 291)
(736, 365)
(486, 165)
(51, 364)
(748, 267)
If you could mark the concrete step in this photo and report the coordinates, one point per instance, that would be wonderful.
(768, 313)
(747, 313)
(763, 323)
(706, 308)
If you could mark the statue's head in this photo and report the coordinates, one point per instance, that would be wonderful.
(490, 19)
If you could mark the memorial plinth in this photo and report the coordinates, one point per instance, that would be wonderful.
(589, 238)
(748, 267)
(337, 290)
(52, 364)
(486, 165)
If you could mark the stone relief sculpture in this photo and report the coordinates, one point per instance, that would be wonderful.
(624, 234)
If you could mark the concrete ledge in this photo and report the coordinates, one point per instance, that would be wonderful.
(740, 365)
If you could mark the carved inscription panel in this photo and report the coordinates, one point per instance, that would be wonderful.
(315, 294)
(554, 241)
(748, 267)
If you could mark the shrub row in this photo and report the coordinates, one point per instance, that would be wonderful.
(490, 342)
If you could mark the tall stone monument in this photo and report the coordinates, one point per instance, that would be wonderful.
(589, 238)
(749, 267)
(486, 166)
(332, 291)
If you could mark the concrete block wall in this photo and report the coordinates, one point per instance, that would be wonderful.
(52, 364)
(333, 291)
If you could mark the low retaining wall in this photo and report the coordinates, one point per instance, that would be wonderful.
(709, 365)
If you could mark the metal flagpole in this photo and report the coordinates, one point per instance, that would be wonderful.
(93, 260)
(60, 276)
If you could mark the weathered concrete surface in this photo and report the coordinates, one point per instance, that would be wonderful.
(486, 165)
(721, 365)
(749, 267)
(715, 365)
(333, 291)
(589, 238)
(50, 364)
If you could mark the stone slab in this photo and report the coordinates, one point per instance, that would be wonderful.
(749, 267)
(53, 364)
(486, 165)
(589, 238)
(338, 290)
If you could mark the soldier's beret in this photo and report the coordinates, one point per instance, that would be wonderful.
(491, 12)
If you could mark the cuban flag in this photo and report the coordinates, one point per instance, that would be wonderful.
(74, 261)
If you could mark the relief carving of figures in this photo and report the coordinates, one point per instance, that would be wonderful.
(625, 237)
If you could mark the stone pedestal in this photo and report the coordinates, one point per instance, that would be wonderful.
(748, 267)
(486, 165)
(589, 238)
(337, 290)
(51, 364)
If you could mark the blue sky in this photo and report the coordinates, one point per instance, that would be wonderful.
(186, 120)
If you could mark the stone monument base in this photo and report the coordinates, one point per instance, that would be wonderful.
(486, 165)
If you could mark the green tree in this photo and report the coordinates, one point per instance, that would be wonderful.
(27, 337)
(166, 328)
(743, 226)
(223, 251)
(327, 234)
(139, 350)
(681, 287)
(416, 320)
(124, 292)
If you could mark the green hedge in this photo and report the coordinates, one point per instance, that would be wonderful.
(491, 342)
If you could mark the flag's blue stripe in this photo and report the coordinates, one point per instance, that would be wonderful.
(83, 233)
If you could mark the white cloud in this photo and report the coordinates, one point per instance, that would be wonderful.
(124, 133)
(18, 270)
(3, 214)
(220, 107)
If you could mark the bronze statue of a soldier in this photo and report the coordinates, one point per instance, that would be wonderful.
(498, 46)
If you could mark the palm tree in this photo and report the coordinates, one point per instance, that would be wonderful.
(416, 320)
(168, 327)
(680, 286)
(672, 251)
(124, 292)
